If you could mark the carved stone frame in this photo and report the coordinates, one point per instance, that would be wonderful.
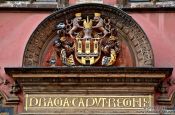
(127, 28)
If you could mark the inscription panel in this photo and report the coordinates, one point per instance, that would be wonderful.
(74, 103)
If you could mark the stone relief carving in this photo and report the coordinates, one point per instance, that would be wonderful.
(85, 41)
(122, 23)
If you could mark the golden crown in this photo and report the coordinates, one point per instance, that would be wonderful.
(78, 14)
(97, 14)
(87, 23)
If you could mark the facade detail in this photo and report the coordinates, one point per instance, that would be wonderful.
(8, 104)
(86, 59)
(89, 58)
(15, 88)
(86, 43)
(89, 89)
(39, 49)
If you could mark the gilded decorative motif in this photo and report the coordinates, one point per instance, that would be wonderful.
(73, 27)
(86, 41)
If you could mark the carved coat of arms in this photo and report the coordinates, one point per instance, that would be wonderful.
(86, 41)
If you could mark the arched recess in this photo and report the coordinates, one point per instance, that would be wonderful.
(129, 32)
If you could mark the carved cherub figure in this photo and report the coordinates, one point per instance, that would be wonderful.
(76, 25)
(100, 23)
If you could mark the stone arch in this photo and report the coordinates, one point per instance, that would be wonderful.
(127, 28)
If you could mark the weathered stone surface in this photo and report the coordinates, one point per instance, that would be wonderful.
(67, 84)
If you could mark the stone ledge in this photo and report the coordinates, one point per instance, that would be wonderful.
(27, 4)
(88, 70)
(168, 4)
(17, 4)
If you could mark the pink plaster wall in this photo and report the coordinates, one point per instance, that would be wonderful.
(160, 29)
(109, 2)
(16, 28)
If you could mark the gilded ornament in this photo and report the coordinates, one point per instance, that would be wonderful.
(90, 39)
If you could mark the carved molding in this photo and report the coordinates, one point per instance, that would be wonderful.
(8, 100)
(164, 98)
(171, 82)
(167, 99)
(8, 104)
(11, 99)
(88, 76)
(60, 70)
(92, 80)
(125, 24)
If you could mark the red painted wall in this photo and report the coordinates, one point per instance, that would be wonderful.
(160, 29)
(16, 28)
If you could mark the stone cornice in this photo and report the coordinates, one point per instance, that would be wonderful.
(128, 10)
(92, 80)
(88, 70)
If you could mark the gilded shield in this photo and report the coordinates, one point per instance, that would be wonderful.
(87, 50)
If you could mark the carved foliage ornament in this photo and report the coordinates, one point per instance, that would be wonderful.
(88, 34)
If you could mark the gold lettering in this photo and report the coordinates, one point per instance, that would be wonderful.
(33, 101)
(66, 102)
(119, 102)
(145, 102)
(42, 102)
(90, 102)
(73, 101)
(111, 102)
(137, 102)
(49, 103)
(58, 102)
(127, 102)
(81, 103)
(61, 102)
(101, 100)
